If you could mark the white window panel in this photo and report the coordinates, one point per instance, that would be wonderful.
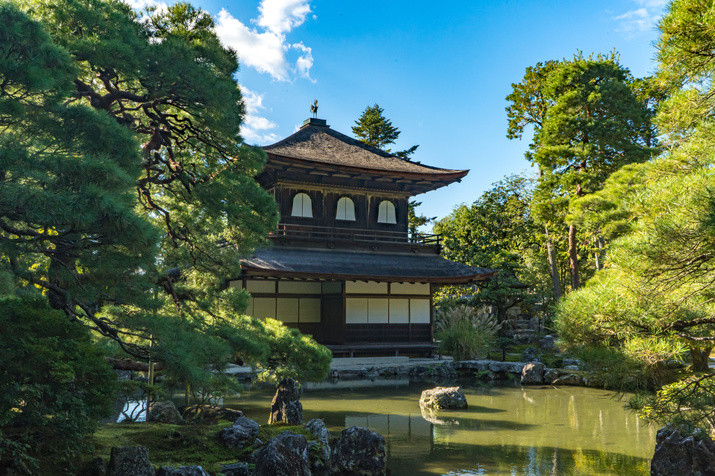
(409, 288)
(399, 311)
(361, 287)
(377, 311)
(302, 206)
(264, 307)
(288, 309)
(356, 311)
(298, 287)
(236, 283)
(258, 286)
(386, 213)
(345, 209)
(309, 310)
(419, 311)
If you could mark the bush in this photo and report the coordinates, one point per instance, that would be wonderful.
(56, 385)
(465, 334)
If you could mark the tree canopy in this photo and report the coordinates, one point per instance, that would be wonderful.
(653, 302)
(128, 196)
(588, 122)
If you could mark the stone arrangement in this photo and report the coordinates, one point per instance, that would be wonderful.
(242, 433)
(286, 406)
(678, 454)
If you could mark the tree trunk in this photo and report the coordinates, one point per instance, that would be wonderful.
(551, 252)
(598, 241)
(700, 358)
(573, 258)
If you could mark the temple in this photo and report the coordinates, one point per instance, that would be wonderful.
(344, 267)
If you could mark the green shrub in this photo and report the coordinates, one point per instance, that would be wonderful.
(463, 333)
(56, 385)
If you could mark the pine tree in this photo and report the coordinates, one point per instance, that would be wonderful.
(151, 138)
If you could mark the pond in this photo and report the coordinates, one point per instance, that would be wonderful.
(505, 430)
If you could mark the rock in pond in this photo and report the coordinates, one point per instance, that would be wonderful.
(284, 455)
(358, 451)
(532, 374)
(164, 412)
(243, 432)
(182, 471)
(443, 398)
(286, 406)
(319, 450)
(235, 469)
(682, 455)
(130, 461)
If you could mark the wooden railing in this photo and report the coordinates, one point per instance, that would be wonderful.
(354, 235)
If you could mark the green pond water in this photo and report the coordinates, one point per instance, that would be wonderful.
(505, 430)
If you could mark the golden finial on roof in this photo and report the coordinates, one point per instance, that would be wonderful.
(314, 108)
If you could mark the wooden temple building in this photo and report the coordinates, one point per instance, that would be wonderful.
(342, 266)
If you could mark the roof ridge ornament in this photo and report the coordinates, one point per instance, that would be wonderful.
(314, 109)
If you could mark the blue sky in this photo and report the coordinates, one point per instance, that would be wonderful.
(441, 70)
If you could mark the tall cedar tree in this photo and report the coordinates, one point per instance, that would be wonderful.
(374, 129)
(593, 124)
(162, 93)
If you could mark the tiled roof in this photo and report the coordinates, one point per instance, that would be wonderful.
(319, 263)
(320, 143)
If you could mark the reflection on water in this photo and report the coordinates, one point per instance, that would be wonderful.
(505, 430)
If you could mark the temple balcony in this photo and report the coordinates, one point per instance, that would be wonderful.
(355, 238)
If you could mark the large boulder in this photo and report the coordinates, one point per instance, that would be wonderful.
(286, 406)
(130, 461)
(532, 374)
(682, 455)
(444, 398)
(284, 455)
(358, 451)
(164, 412)
(182, 471)
(242, 433)
(318, 450)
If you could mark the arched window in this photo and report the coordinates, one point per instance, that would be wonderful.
(386, 213)
(302, 206)
(346, 209)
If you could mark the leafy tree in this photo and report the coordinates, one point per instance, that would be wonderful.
(55, 387)
(588, 123)
(653, 302)
(498, 232)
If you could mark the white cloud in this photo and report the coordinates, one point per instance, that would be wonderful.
(254, 128)
(641, 19)
(281, 16)
(265, 48)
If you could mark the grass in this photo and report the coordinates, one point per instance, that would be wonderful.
(182, 445)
